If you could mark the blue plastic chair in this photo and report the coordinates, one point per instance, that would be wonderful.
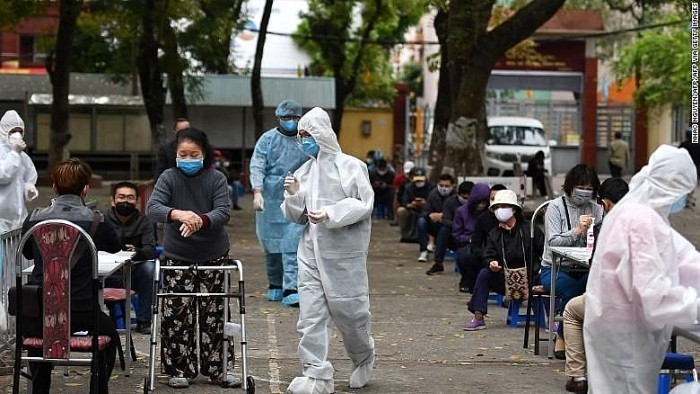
(676, 364)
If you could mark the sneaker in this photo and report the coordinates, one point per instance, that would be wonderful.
(291, 301)
(577, 386)
(475, 324)
(274, 294)
(237, 208)
(423, 256)
(230, 380)
(436, 269)
(178, 382)
(431, 248)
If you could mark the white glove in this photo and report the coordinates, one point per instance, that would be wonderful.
(317, 216)
(18, 146)
(291, 185)
(31, 193)
(258, 202)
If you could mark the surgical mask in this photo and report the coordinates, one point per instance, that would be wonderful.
(309, 146)
(15, 138)
(125, 208)
(382, 172)
(679, 205)
(290, 126)
(503, 214)
(462, 200)
(420, 183)
(444, 191)
(581, 196)
(190, 166)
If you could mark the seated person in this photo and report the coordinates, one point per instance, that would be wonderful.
(382, 179)
(566, 222)
(70, 180)
(463, 229)
(430, 222)
(136, 234)
(470, 260)
(611, 191)
(401, 180)
(444, 239)
(506, 245)
(413, 204)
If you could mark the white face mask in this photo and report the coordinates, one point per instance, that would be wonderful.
(15, 138)
(503, 214)
(420, 183)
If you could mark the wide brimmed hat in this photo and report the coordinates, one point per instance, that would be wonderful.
(505, 197)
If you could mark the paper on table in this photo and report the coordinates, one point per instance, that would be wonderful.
(121, 256)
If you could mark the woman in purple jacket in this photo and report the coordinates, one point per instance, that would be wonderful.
(462, 230)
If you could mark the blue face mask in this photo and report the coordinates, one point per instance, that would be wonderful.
(289, 126)
(190, 166)
(678, 205)
(309, 146)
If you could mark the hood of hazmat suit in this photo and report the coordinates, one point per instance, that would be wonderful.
(17, 176)
(634, 295)
(332, 254)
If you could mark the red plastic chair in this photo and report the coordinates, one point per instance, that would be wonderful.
(57, 241)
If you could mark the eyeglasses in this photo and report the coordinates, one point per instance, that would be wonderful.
(122, 197)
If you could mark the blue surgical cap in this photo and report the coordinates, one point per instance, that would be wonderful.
(288, 108)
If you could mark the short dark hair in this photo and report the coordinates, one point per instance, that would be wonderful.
(613, 189)
(447, 177)
(465, 187)
(71, 176)
(498, 186)
(581, 174)
(200, 138)
(618, 135)
(120, 185)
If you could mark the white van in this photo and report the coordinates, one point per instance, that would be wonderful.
(513, 139)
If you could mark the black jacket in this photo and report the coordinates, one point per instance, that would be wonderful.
(485, 222)
(514, 242)
(137, 231)
(167, 154)
(72, 208)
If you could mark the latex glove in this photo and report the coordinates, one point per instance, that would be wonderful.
(258, 202)
(317, 216)
(18, 146)
(31, 193)
(291, 184)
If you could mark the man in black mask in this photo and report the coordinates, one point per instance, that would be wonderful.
(136, 234)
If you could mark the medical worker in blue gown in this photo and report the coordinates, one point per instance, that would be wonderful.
(276, 153)
(332, 196)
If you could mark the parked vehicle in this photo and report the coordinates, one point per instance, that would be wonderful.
(513, 140)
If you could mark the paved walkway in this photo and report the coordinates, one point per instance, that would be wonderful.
(416, 321)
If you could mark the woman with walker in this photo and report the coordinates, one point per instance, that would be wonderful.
(192, 200)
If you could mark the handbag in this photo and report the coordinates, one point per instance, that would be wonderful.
(516, 280)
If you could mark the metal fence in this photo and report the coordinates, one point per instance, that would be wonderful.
(8, 246)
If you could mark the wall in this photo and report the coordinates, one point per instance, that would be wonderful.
(659, 120)
(354, 142)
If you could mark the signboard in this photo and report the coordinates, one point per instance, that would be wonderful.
(564, 55)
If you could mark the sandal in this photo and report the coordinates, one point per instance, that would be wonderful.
(229, 380)
(178, 382)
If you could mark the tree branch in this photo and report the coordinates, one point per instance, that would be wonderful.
(350, 83)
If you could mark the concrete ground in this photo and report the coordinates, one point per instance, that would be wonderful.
(416, 321)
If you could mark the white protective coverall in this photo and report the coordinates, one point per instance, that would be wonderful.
(17, 176)
(635, 295)
(332, 255)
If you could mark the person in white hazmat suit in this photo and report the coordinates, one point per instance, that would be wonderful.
(276, 153)
(17, 173)
(332, 195)
(643, 279)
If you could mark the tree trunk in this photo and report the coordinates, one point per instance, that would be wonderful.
(59, 73)
(255, 80)
(174, 67)
(150, 74)
(442, 105)
(340, 96)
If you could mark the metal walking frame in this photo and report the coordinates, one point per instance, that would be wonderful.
(248, 383)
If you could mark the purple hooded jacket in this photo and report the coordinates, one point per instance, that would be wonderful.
(465, 217)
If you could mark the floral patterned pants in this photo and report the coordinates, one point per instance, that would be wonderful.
(178, 334)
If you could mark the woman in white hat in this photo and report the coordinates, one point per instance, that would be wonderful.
(506, 245)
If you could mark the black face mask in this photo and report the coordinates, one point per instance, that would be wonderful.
(125, 209)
